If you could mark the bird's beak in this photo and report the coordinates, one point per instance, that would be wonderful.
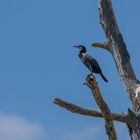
(76, 47)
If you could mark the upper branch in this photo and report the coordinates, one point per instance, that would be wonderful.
(104, 45)
(92, 84)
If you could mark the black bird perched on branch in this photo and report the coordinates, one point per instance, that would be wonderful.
(90, 62)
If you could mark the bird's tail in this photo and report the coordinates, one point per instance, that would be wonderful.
(103, 77)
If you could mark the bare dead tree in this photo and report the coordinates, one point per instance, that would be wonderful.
(116, 46)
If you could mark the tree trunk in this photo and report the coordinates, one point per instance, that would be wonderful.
(122, 59)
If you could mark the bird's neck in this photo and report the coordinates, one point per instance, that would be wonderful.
(83, 51)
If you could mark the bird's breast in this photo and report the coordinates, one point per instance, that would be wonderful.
(83, 57)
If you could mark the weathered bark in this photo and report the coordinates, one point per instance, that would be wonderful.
(118, 49)
(122, 59)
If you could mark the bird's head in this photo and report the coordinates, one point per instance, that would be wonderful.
(81, 47)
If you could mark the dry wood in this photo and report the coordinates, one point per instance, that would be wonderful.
(116, 46)
(89, 112)
(110, 129)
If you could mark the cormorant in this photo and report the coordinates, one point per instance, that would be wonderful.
(90, 62)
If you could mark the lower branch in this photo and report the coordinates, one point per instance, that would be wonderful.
(89, 112)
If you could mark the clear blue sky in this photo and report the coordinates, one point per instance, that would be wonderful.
(38, 63)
